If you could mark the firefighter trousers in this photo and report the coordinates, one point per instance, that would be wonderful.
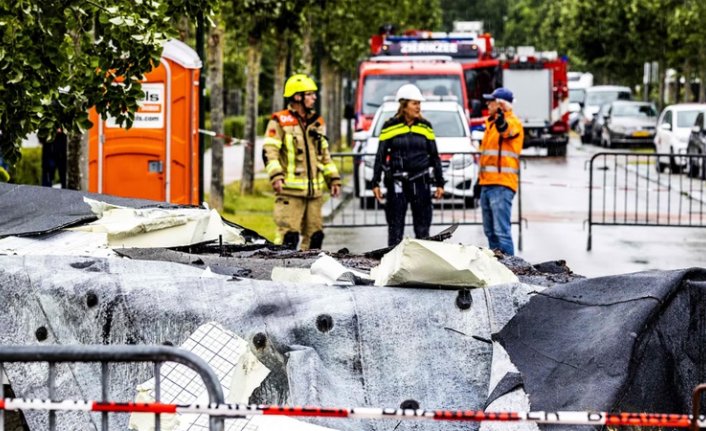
(400, 193)
(299, 215)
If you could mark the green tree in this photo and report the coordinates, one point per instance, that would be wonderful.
(253, 18)
(58, 58)
(493, 13)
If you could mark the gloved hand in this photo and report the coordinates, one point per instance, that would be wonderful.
(500, 122)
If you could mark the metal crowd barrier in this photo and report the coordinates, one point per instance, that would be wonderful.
(625, 189)
(217, 409)
(106, 355)
(459, 205)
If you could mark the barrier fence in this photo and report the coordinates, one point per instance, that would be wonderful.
(459, 206)
(106, 355)
(625, 189)
(218, 410)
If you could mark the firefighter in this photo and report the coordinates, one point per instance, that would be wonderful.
(406, 152)
(298, 162)
(499, 169)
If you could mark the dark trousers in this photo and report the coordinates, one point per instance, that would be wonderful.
(399, 195)
(53, 160)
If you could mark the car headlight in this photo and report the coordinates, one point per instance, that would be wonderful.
(619, 129)
(461, 161)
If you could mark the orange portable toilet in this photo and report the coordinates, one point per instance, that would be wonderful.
(158, 158)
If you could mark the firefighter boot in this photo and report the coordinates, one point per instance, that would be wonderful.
(291, 240)
(317, 239)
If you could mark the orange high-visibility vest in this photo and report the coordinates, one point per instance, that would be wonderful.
(500, 153)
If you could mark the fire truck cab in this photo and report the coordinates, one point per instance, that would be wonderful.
(381, 76)
(467, 45)
(538, 81)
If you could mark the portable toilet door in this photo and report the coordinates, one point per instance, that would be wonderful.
(158, 158)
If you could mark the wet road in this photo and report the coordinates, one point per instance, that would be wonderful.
(555, 207)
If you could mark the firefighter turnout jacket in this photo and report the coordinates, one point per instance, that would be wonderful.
(407, 152)
(500, 153)
(296, 151)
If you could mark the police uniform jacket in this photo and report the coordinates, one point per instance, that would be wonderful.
(406, 152)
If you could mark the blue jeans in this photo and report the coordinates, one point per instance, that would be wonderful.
(496, 204)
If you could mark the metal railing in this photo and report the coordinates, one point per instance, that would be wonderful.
(459, 206)
(625, 189)
(106, 355)
(217, 409)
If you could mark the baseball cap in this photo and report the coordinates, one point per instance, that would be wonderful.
(500, 93)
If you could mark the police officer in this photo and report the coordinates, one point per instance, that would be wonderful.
(499, 168)
(298, 162)
(406, 152)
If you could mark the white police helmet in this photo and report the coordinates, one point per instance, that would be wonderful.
(409, 92)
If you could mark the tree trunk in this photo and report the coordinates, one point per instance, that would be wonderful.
(306, 60)
(84, 161)
(251, 93)
(325, 96)
(338, 106)
(662, 76)
(184, 29)
(215, 74)
(280, 70)
(702, 74)
(73, 162)
(687, 83)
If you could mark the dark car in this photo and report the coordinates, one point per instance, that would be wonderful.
(629, 123)
(595, 98)
(697, 145)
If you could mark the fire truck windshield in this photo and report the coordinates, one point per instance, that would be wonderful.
(377, 87)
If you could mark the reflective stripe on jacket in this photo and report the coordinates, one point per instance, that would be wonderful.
(407, 149)
(500, 153)
(296, 151)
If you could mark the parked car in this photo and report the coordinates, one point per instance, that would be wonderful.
(628, 123)
(598, 124)
(453, 140)
(576, 99)
(697, 145)
(673, 129)
(578, 83)
(595, 98)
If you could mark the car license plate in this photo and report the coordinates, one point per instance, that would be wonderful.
(641, 134)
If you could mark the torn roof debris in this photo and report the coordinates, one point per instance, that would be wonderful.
(470, 330)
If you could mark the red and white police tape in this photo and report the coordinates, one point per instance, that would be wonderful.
(227, 139)
(239, 410)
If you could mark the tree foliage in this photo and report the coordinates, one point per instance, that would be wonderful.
(58, 58)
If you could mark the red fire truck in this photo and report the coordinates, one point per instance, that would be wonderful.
(539, 83)
(466, 45)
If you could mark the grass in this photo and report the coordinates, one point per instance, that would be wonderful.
(251, 211)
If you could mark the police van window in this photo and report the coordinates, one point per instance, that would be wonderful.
(377, 87)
